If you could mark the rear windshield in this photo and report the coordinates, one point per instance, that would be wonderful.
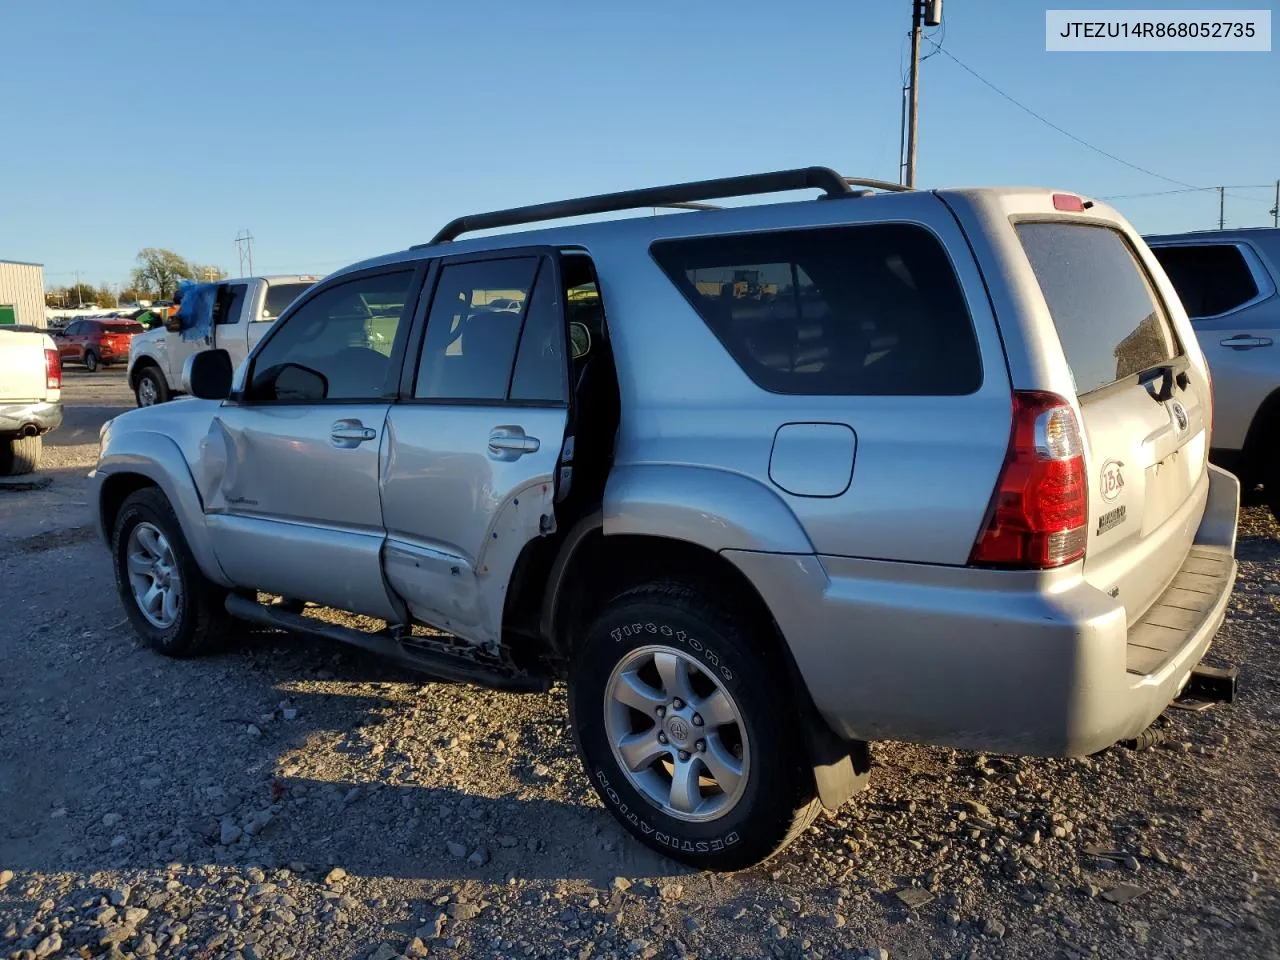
(1109, 320)
(855, 311)
(279, 296)
(123, 326)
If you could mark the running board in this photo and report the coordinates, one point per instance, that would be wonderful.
(387, 644)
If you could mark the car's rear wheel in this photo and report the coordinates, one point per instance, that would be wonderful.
(90, 361)
(169, 602)
(682, 720)
(20, 455)
(151, 388)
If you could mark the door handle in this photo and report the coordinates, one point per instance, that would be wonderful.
(1242, 341)
(508, 443)
(350, 433)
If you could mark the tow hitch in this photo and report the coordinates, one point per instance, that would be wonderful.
(1207, 686)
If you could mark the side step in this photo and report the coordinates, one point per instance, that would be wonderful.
(387, 644)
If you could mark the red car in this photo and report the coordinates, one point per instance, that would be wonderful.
(97, 342)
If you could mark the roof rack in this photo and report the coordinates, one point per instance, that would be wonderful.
(684, 195)
(886, 185)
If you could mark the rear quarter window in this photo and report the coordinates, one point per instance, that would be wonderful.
(1109, 320)
(854, 311)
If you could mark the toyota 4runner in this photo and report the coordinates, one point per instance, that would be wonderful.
(763, 484)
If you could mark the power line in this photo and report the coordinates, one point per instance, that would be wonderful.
(1168, 193)
(1049, 123)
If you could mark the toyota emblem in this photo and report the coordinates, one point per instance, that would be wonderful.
(1179, 415)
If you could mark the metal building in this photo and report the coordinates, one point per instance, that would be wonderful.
(21, 293)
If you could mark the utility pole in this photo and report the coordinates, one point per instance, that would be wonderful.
(1222, 208)
(923, 13)
(1275, 211)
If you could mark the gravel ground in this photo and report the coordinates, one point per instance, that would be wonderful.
(290, 798)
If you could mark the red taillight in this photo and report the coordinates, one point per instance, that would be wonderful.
(1068, 202)
(1040, 512)
(52, 370)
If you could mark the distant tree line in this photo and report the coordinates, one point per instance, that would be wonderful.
(156, 277)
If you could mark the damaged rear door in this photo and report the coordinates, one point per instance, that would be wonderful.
(474, 443)
(290, 467)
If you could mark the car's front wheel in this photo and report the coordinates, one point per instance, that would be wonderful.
(685, 727)
(151, 388)
(169, 602)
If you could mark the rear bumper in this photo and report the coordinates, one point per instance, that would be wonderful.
(986, 660)
(15, 418)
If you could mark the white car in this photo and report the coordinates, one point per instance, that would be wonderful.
(30, 397)
(245, 309)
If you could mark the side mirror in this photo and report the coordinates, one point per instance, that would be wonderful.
(207, 375)
(579, 340)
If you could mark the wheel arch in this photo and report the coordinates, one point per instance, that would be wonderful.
(153, 460)
(1264, 425)
(714, 508)
(140, 364)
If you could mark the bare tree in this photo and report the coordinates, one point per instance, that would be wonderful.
(159, 270)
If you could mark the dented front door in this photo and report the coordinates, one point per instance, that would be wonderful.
(293, 504)
(290, 469)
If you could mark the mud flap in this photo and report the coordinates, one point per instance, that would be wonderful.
(840, 767)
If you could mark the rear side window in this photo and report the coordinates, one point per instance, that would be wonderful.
(231, 304)
(1108, 318)
(1210, 279)
(854, 311)
(279, 296)
(473, 329)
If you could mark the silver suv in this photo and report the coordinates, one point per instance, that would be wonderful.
(762, 483)
(1228, 282)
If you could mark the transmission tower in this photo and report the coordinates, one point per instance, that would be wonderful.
(244, 247)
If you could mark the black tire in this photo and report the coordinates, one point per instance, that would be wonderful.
(777, 803)
(90, 361)
(151, 375)
(201, 617)
(20, 455)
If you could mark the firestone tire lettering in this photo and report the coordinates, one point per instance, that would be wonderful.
(693, 643)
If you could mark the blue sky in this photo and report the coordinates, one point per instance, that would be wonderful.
(335, 131)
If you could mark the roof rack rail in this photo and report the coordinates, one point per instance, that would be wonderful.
(802, 178)
(689, 205)
(888, 186)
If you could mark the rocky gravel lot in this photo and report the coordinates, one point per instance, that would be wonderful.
(289, 798)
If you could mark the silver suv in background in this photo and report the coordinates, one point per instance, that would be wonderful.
(762, 483)
(1228, 282)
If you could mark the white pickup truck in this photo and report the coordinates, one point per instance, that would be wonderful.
(244, 310)
(30, 397)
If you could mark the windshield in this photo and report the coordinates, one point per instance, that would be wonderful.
(280, 296)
